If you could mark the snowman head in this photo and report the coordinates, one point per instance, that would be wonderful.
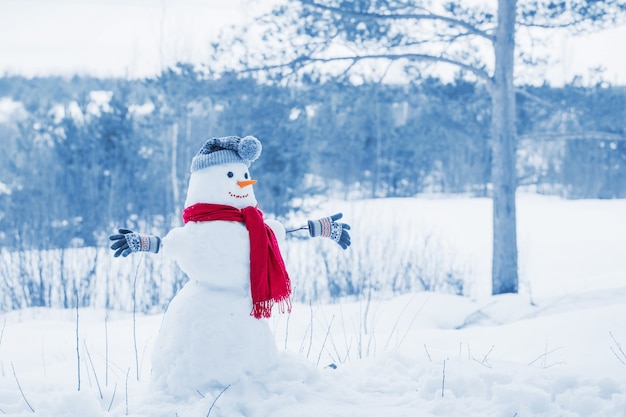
(219, 172)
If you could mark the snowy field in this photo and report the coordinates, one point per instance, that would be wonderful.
(556, 349)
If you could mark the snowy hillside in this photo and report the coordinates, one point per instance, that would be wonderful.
(556, 349)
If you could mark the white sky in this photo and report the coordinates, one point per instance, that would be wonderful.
(136, 38)
(576, 55)
(109, 37)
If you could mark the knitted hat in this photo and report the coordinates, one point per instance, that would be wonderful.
(217, 151)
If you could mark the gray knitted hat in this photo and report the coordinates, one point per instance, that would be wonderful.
(217, 151)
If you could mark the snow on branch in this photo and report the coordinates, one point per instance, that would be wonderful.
(470, 28)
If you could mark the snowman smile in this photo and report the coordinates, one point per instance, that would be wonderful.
(237, 195)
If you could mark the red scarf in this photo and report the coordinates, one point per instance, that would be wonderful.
(269, 282)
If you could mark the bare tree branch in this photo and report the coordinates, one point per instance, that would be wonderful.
(302, 61)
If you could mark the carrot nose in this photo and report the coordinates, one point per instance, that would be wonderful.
(245, 183)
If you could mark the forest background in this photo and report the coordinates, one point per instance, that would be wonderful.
(86, 155)
(83, 155)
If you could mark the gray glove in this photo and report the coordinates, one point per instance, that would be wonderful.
(127, 242)
(328, 227)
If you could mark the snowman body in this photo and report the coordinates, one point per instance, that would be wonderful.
(208, 339)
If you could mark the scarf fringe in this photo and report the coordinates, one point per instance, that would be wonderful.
(263, 309)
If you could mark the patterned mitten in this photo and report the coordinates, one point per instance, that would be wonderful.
(328, 227)
(127, 242)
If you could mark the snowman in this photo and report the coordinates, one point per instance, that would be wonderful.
(213, 332)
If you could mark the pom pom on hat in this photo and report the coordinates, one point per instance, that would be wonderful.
(217, 151)
(249, 148)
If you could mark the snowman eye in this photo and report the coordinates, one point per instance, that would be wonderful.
(246, 175)
(230, 174)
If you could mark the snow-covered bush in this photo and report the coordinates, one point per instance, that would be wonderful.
(406, 259)
(86, 277)
(390, 255)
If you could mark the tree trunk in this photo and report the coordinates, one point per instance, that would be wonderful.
(504, 263)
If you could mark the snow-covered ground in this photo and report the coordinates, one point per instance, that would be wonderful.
(556, 349)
